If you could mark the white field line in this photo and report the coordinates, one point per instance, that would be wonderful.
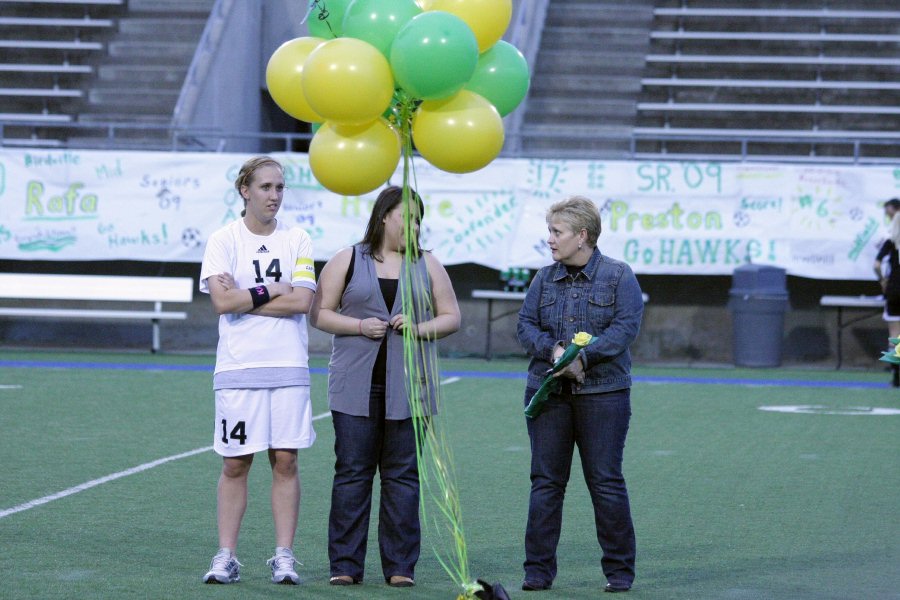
(95, 482)
(138, 469)
(10, 387)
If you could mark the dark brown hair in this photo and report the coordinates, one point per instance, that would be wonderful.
(387, 200)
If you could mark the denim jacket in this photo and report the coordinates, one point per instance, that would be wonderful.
(603, 299)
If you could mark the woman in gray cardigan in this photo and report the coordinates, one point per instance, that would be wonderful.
(359, 301)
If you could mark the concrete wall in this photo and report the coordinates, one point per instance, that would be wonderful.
(686, 320)
(230, 66)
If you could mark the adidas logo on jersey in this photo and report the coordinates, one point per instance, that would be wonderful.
(262, 250)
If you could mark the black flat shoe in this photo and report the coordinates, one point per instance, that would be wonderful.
(534, 586)
(342, 580)
(614, 589)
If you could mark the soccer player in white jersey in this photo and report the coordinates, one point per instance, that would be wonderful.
(260, 276)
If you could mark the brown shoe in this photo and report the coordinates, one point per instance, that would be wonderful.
(399, 581)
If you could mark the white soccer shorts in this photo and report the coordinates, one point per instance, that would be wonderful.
(249, 421)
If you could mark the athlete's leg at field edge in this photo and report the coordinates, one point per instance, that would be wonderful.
(231, 498)
(285, 495)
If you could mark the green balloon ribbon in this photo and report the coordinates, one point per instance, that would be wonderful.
(550, 385)
(440, 498)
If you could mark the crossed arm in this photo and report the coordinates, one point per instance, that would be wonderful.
(284, 299)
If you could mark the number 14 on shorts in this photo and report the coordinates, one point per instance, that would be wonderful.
(238, 432)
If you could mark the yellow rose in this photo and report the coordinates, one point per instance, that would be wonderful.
(582, 338)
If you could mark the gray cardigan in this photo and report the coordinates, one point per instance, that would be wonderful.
(353, 356)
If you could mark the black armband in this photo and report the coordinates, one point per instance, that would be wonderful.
(259, 295)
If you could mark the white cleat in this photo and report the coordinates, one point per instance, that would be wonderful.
(283, 567)
(224, 568)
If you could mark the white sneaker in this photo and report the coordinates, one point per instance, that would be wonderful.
(224, 568)
(283, 567)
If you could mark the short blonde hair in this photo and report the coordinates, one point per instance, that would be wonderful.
(578, 213)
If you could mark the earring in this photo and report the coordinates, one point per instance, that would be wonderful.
(579, 245)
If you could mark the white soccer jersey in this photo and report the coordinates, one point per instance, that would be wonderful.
(249, 341)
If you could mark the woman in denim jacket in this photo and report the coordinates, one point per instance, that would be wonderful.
(581, 291)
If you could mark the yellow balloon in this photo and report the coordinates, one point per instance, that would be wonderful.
(487, 18)
(354, 159)
(348, 81)
(459, 134)
(283, 77)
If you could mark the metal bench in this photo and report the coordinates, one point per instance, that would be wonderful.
(96, 289)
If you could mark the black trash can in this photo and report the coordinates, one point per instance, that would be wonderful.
(758, 301)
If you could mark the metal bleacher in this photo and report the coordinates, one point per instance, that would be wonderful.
(76, 73)
(819, 80)
(805, 80)
(46, 56)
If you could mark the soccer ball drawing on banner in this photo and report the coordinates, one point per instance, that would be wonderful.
(191, 238)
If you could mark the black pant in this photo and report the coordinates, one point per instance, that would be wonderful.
(362, 445)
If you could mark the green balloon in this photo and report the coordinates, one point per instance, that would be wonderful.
(326, 18)
(378, 21)
(502, 77)
(434, 55)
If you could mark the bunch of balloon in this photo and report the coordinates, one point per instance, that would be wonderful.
(377, 78)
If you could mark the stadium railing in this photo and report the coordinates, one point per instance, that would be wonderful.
(858, 144)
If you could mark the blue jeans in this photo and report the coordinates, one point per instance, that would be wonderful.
(597, 424)
(363, 445)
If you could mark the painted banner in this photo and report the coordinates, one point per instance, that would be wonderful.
(690, 218)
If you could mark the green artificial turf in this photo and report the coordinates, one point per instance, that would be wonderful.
(729, 501)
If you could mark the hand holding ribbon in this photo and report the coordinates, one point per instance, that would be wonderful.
(551, 382)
